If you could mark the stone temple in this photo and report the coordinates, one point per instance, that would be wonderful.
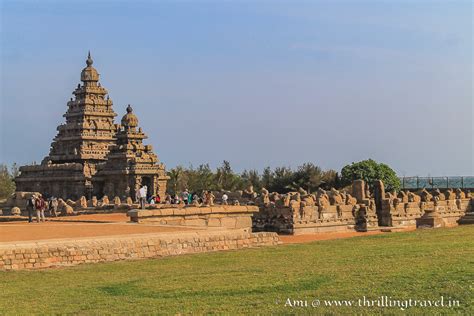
(93, 156)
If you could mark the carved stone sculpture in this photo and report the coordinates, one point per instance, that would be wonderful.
(335, 197)
(412, 197)
(450, 195)
(460, 194)
(439, 194)
(104, 201)
(426, 196)
(350, 200)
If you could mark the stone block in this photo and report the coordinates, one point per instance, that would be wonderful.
(179, 212)
(214, 222)
(199, 222)
(243, 222)
(228, 222)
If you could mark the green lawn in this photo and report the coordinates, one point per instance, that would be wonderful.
(421, 265)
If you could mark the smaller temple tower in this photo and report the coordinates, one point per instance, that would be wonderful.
(131, 164)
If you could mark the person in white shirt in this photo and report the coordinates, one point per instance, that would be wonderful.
(184, 196)
(142, 194)
(224, 199)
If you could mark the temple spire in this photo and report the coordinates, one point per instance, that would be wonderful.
(89, 60)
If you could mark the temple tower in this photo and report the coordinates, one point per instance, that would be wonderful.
(81, 145)
(131, 164)
(91, 155)
(89, 129)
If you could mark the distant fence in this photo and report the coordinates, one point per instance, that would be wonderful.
(411, 183)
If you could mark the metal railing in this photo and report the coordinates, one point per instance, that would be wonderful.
(413, 183)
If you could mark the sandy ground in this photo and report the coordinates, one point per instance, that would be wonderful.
(118, 224)
(76, 227)
(109, 218)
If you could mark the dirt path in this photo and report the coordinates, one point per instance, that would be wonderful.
(10, 232)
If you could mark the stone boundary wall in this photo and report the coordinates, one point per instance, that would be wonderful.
(60, 253)
(405, 214)
(297, 219)
(218, 216)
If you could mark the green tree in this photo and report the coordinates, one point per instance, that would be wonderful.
(178, 180)
(226, 179)
(307, 176)
(7, 185)
(330, 179)
(267, 178)
(369, 171)
(201, 179)
(251, 177)
(282, 180)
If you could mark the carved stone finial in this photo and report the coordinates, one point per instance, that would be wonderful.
(89, 60)
(129, 109)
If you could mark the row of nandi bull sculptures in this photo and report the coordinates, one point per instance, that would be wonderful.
(301, 212)
(409, 208)
(334, 210)
(17, 201)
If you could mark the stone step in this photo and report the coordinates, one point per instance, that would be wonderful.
(386, 229)
(467, 219)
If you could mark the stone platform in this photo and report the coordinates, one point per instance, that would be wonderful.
(219, 216)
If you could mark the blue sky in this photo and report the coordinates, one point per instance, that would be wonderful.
(254, 82)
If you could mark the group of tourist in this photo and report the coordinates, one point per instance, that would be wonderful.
(37, 204)
(186, 197)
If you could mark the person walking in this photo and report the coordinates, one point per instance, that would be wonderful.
(30, 207)
(40, 206)
(142, 195)
(53, 207)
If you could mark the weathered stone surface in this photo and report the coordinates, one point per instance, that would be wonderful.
(15, 211)
(224, 216)
(411, 209)
(300, 213)
(57, 253)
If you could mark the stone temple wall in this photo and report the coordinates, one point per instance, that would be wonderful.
(217, 216)
(405, 208)
(60, 253)
(298, 219)
(405, 214)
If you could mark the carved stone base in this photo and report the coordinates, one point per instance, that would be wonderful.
(430, 220)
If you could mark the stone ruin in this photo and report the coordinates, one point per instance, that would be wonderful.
(356, 209)
(93, 156)
(422, 208)
(324, 211)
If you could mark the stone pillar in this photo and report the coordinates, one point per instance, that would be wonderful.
(358, 190)
(379, 194)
